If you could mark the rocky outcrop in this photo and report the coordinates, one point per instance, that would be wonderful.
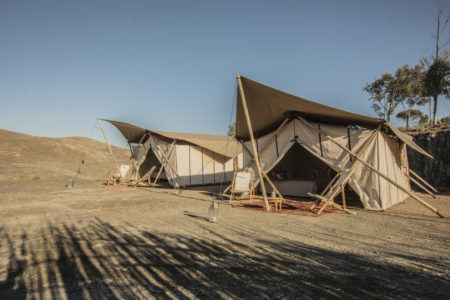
(437, 143)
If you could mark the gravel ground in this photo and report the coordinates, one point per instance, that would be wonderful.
(95, 242)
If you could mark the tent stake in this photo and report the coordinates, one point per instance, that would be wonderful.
(107, 142)
(252, 138)
(378, 172)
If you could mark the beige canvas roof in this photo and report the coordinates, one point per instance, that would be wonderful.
(223, 145)
(268, 107)
(132, 133)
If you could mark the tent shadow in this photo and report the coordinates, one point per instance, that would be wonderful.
(101, 260)
(189, 214)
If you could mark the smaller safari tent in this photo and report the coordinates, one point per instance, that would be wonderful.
(185, 158)
(301, 145)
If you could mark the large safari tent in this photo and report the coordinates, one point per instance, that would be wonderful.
(301, 144)
(186, 159)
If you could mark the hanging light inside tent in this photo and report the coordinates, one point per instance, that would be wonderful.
(295, 139)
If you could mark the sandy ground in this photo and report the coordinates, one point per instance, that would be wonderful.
(95, 242)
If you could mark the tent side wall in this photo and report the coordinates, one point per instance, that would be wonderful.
(192, 164)
(384, 153)
(199, 166)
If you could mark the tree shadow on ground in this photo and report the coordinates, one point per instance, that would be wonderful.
(98, 260)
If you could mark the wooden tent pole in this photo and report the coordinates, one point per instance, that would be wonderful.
(267, 144)
(165, 162)
(107, 142)
(378, 172)
(421, 186)
(138, 144)
(142, 138)
(423, 180)
(169, 163)
(131, 150)
(252, 138)
(272, 185)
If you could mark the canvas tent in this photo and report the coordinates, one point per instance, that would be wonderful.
(192, 159)
(300, 144)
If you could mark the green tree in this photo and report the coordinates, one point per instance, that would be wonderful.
(423, 120)
(437, 81)
(410, 115)
(441, 54)
(410, 83)
(384, 94)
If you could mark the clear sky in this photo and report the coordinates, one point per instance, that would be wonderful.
(172, 65)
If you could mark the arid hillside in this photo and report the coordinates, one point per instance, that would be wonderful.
(25, 157)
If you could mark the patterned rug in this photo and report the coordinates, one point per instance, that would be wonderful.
(298, 208)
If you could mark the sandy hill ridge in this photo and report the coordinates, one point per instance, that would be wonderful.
(27, 157)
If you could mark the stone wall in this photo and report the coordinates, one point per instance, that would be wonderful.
(437, 144)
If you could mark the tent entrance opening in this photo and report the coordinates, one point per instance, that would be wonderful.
(150, 161)
(300, 172)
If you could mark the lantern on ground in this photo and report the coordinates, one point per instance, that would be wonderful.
(213, 211)
(177, 188)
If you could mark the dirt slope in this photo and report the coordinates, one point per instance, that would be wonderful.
(27, 157)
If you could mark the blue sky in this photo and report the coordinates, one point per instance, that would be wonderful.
(171, 65)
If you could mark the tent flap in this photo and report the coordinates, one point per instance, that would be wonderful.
(408, 140)
(132, 133)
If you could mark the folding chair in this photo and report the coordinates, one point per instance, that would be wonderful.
(336, 186)
(122, 175)
(243, 184)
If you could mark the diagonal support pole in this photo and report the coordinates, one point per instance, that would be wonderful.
(169, 164)
(165, 162)
(107, 142)
(423, 180)
(267, 144)
(252, 138)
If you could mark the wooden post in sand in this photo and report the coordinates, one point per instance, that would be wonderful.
(107, 142)
(252, 138)
(262, 149)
